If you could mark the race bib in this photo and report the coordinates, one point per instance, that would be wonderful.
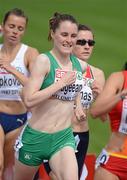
(86, 93)
(9, 86)
(86, 96)
(102, 158)
(68, 92)
(123, 123)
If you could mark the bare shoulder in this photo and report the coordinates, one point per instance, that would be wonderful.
(42, 62)
(115, 80)
(43, 59)
(32, 51)
(83, 64)
(97, 71)
(98, 75)
(116, 76)
(30, 56)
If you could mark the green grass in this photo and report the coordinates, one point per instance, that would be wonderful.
(106, 17)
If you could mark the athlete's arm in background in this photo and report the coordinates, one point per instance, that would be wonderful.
(106, 101)
(78, 109)
(98, 86)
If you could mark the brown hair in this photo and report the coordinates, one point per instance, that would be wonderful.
(55, 21)
(82, 27)
(17, 12)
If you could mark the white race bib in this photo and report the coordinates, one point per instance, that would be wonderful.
(86, 93)
(69, 92)
(123, 123)
(102, 158)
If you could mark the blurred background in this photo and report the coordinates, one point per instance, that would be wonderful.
(108, 19)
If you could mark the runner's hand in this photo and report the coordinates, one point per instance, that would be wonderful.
(80, 113)
(68, 78)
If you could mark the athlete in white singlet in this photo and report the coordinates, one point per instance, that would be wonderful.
(16, 60)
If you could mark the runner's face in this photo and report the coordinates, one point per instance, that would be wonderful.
(65, 37)
(83, 52)
(14, 29)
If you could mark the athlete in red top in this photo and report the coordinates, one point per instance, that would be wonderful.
(112, 162)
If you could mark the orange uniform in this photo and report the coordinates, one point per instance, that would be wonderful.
(116, 162)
